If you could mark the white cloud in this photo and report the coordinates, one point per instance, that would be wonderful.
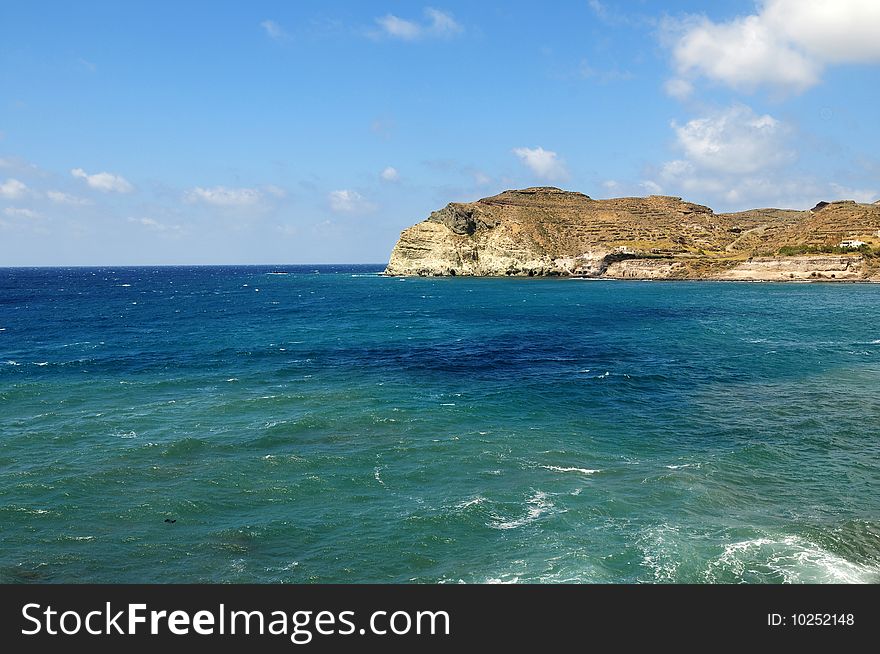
(735, 158)
(768, 185)
(744, 54)
(275, 191)
(482, 179)
(58, 197)
(16, 212)
(611, 185)
(382, 127)
(859, 195)
(19, 165)
(105, 182)
(13, 189)
(599, 9)
(834, 31)
(651, 187)
(222, 196)
(611, 15)
(784, 46)
(438, 24)
(734, 141)
(274, 30)
(390, 174)
(678, 88)
(442, 23)
(545, 164)
(155, 225)
(586, 71)
(399, 28)
(348, 201)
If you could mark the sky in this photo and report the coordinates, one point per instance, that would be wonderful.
(158, 132)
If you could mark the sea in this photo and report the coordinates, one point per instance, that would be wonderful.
(324, 424)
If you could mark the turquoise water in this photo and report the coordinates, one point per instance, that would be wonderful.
(333, 425)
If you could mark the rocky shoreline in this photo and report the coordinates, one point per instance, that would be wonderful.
(548, 232)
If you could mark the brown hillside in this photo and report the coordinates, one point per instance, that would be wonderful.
(548, 231)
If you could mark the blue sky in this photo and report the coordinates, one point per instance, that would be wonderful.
(305, 132)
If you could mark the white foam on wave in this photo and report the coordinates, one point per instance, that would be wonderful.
(685, 465)
(583, 471)
(586, 371)
(538, 504)
(377, 476)
(42, 363)
(24, 509)
(10, 362)
(661, 553)
(479, 499)
(792, 559)
(499, 580)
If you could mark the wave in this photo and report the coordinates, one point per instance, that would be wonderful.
(186, 447)
(499, 580)
(29, 511)
(475, 501)
(787, 559)
(661, 552)
(583, 471)
(538, 505)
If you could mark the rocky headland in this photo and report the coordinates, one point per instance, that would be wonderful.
(546, 231)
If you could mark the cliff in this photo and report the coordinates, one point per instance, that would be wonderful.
(546, 231)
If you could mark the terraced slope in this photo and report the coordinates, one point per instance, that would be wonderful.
(548, 231)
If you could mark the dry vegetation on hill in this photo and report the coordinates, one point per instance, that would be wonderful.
(547, 231)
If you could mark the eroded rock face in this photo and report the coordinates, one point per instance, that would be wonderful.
(799, 268)
(547, 231)
(644, 269)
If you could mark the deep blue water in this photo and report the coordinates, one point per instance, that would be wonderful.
(333, 425)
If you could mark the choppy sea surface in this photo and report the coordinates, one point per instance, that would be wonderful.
(334, 425)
